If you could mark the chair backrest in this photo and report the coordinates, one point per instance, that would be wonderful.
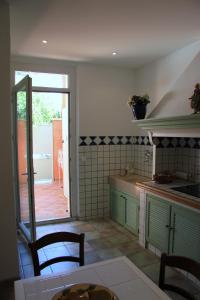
(180, 262)
(56, 238)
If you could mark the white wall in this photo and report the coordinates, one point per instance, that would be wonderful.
(8, 250)
(43, 151)
(103, 94)
(170, 81)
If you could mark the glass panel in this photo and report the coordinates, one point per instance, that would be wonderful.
(50, 155)
(22, 132)
(44, 79)
(23, 158)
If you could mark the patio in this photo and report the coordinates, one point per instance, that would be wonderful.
(50, 202)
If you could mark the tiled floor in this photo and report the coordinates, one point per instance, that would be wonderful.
(50, 202)
(103, 240)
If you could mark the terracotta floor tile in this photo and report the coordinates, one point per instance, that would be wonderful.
(50, 202)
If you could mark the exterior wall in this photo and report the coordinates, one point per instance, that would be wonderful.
(57, 146)
(43, 151)
(8, 250)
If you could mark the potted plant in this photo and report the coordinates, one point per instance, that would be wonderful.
(195, 99)
(138, 105)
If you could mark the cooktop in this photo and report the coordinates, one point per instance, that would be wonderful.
(193, 189)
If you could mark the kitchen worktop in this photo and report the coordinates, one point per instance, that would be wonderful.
(132, 184)
(127, 183)
(165, 190)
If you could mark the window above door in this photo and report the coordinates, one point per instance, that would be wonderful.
(44, 79)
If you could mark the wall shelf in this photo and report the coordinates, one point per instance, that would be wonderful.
(179, 126)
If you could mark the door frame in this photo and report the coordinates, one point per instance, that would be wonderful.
(59, 91)
(58, 67)
(25, 82)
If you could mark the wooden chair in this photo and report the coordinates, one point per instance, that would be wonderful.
(182, 263)
(55, 238)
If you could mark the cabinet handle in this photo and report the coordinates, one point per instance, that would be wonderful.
(170, 227)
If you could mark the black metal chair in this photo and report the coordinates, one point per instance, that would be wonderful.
(55, 238)
(180, 262)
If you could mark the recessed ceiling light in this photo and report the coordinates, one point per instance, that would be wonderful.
(44, 42)
(114, 53)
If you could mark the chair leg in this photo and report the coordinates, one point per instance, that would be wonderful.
(162, 271)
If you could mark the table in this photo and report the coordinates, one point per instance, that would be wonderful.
(118, 274)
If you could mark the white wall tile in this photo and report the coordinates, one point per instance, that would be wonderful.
(96, 163)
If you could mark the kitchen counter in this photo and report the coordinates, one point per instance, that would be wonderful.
(164, 190)
(132, 184)
(127, 184)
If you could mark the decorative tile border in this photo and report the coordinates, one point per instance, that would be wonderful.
(113, 140)
(160, 142)
(173, 142)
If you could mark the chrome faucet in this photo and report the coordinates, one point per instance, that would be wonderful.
(148, 155)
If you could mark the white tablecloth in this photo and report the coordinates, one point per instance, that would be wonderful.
(118, 274)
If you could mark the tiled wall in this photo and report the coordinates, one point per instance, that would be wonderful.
(178, 154)
(102, 156)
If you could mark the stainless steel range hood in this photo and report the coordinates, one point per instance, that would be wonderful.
(179, 126)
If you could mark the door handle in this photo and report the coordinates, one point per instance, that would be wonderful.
(27, 173)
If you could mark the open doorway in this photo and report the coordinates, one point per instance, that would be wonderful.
(50, 155)
(50, 139)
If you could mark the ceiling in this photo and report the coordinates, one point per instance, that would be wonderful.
(90, 30)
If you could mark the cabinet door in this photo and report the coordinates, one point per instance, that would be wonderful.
(157, 222)
(117, 207)
(132, 214)
(185, 234)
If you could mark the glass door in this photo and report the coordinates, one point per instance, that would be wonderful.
(24, 173)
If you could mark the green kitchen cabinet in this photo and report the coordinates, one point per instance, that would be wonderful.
(157, 222)
(132, 214)
(117, 207)
(185, 233)
(172, 228)
(125, 210)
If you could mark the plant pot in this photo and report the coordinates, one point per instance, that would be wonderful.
(139, 110)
